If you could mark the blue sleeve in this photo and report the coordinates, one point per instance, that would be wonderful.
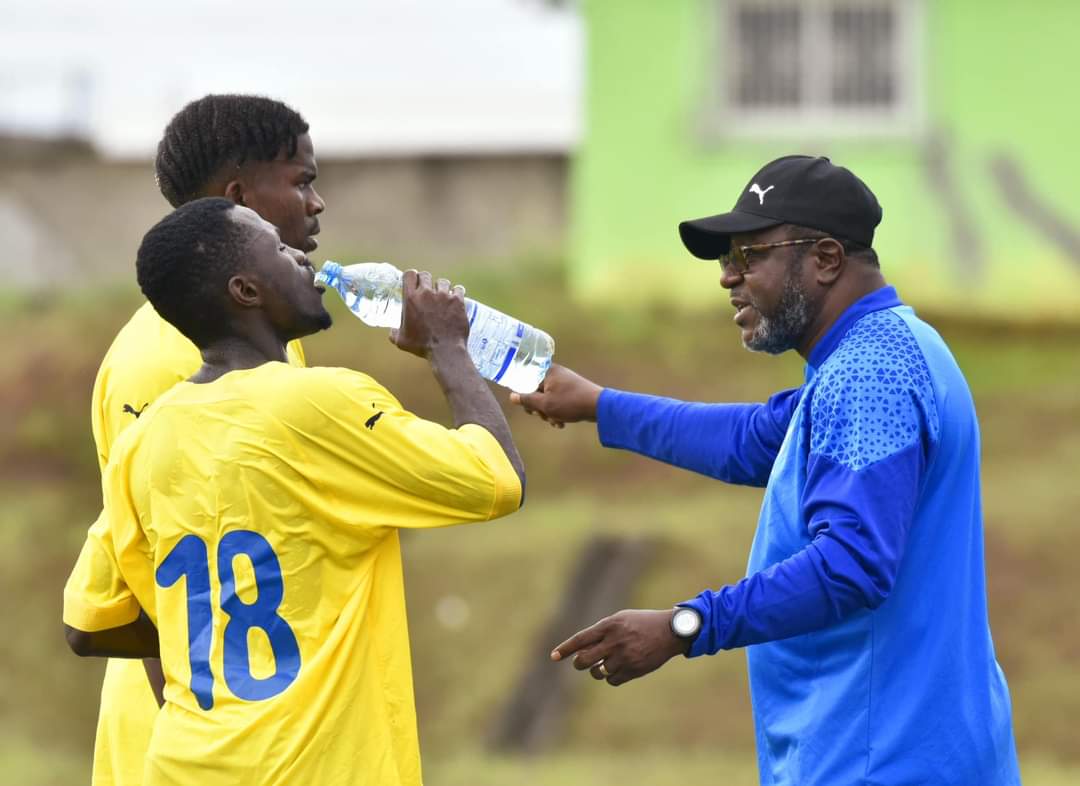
(736, 443)
(869, 447)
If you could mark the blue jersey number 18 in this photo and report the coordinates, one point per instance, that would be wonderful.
(189, 558)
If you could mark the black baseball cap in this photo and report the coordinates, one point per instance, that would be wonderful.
(811, 192)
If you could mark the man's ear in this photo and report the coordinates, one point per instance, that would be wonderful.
(244, 291)
(234, 190)
(830, 261)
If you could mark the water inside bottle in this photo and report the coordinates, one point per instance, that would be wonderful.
(375, 296)
(505, 350)
(531, 362)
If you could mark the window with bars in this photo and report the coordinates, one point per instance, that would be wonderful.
(819, 65)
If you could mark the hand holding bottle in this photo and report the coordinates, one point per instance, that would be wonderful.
(433, 315)
(504, 350)
(434, 326)
(563, 397)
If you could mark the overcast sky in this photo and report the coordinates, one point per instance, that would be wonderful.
(372, 76)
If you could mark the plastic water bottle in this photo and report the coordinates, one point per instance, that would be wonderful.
(505, 350)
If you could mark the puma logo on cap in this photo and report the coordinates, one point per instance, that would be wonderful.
(756, 189)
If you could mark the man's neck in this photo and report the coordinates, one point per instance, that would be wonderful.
(236, 353)
(836, 303)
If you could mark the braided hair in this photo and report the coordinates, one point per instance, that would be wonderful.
(184, 264)
(218, 131)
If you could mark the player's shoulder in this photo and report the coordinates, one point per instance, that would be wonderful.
(149, 352)
(879, 351)
(316, 377)
(147, 357)
(147, 329)
(286, 387)
(878, 374)
(128, 441)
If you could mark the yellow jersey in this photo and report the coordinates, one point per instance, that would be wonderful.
(147, 357)
(255, 519)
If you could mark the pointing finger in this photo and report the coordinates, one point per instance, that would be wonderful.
(582, 638)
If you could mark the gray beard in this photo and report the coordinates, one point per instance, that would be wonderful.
(777, 333)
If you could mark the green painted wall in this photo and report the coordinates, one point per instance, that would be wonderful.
(1000, 78)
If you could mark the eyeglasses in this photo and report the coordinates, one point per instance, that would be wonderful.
(738, 260)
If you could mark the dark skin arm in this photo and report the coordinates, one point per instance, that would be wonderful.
(434, 326)
(138, 639)
(156, 676)
(624, 646)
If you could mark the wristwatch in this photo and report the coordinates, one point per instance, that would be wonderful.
(686, 622)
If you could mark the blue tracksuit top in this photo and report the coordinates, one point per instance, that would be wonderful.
(863, 609)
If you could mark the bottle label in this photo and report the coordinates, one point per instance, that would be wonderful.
(510, 352)
(494, 339)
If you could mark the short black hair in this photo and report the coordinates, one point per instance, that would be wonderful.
(222, 130)
(859, 251)
(851, 248)
(184, 264)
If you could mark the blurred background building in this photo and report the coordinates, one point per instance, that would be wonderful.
(442, 129)
(446, 131)
(950, 110)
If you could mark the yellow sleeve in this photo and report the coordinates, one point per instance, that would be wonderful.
(368, 453)
(96, 597)
(507, 483)
(148, 357)
(114, 576)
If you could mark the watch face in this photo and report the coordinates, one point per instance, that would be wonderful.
(685, 622)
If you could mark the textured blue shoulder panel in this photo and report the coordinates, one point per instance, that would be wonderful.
(873, 395)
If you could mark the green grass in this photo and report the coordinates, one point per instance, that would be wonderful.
(605, 765)
(29, 761)
(690, 721)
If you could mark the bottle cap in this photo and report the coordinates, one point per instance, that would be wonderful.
(329, 274)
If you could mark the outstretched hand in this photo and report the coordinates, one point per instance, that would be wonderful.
(624, 646)
(563, 397)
